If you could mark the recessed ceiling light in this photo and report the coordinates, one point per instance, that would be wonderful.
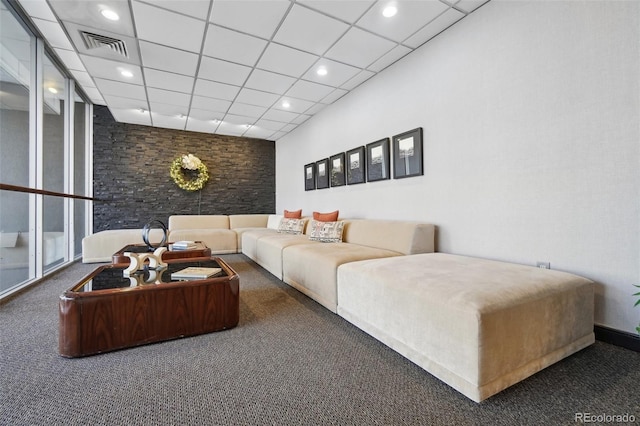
(126, 73)
(389, 11)
(142, 110)
(322, 71)
(285, 104)
(53, 90)
(110, 14)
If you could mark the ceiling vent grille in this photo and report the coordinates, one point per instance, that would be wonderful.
(94, 41)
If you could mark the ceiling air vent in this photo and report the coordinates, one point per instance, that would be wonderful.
(94, 41)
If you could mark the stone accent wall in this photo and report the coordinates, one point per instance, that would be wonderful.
(131, 174)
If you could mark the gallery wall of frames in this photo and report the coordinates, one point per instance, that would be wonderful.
(369, 163)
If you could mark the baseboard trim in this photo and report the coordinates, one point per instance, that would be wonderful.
(617, 337)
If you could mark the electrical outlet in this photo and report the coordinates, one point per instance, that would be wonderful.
(543, 265)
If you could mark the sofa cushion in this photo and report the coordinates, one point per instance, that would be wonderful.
(101, 246)
(248, 220)
(478, 325)
(198, 221)
(326, 232)
(296, 214)
(311, 268)
(274, 221)
(326, 217)
(400, 236)
(291, 226)
(269, 250)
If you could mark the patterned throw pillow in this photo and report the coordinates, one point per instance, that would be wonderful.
(326, 232)
(291, 226)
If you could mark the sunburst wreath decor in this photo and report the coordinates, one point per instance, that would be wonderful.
(189, 162)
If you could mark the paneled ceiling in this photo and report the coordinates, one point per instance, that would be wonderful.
(235, 67)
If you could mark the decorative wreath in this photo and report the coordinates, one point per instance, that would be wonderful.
(189, 162)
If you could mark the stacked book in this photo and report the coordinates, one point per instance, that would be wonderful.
(184, 245)
(195, 273)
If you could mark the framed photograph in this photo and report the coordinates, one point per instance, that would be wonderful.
(310, 177)
(336, 163)
(355, 164)
(407, 154)
(322, 174)
(378, 160)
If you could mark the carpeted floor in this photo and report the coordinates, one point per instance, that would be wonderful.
(289, 362)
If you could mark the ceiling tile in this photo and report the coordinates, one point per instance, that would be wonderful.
(309, 91)
(125, 103)
(133, 116)
(233, 46)
(168, 28)
(390, 57)
(83, 78)
(71, 59)
(337, 73)
(269, 124)
(347, 10)
(87, 13)
(334, 96)
(363, 76)
(210, 104)
(211, 89)
(269, 82)
(231, 129)
(110, 87)
(295, 105)
(411, 16)
(168, 81)
(203, 126)
(168, 59)
(300, 119)
(223, 71)
(247, 110)
(174, 111)
(277, 135)
(168, 121)
(315, 109)
(195, 8)
(277, 115)
(38, 9)
(285, 60)
(257, 132)
(309, 31)
(168, 97)
(95, 95)
(349, 48)
(111, 70)
(54, 34)
(239, 119)
(260, 17)
(438, 25)
(256, 97)
(470, 5)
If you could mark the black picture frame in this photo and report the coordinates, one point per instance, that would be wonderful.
(407, 154)
(378, 163)
(310, 177)
(322, 174)
(355, 163)
(336, 165)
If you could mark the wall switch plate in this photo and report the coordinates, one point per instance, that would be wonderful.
(543, 265)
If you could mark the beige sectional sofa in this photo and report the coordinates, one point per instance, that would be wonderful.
(478, 325)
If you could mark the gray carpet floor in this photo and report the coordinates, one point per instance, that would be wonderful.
(289, 362)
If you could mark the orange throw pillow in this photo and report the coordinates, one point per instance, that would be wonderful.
(326, 217)
(297, 214)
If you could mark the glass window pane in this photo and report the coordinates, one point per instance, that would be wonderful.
(53, 164)
(79, 206)
(15, 77)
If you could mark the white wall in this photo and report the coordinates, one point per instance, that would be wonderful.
(531, 119)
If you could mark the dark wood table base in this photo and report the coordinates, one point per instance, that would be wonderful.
(95, 320)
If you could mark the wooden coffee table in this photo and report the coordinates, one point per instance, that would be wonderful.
(201, 250)
(106, 311)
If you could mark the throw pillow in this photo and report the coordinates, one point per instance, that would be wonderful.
(291, 226)
(326, 232)
(326, 217)
(297, 214)
(274, 221)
